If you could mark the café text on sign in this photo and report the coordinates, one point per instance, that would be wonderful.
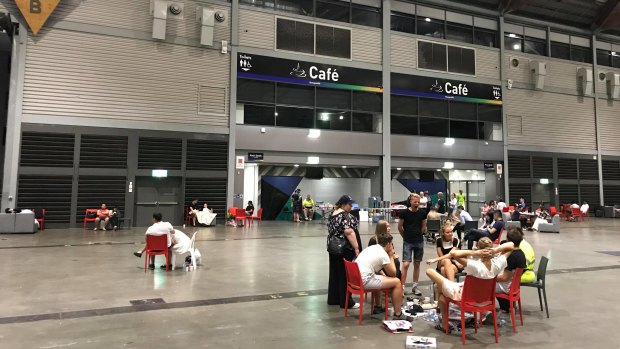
(36, 12)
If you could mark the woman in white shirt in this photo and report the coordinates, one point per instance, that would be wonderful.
(423, 200)
(452, 202)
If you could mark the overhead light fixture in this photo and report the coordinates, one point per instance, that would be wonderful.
(341, 117)
(613, 53)
(438, 170)
(344, 166)
(468, 171)
(312, 160)
(427, 19)
(296, 165)
(314, 133)
(594, 157)
(159, 173)
(544, 181)
(511, 35)
(516, 46)
(448, 165)
(276, 113)
(398, 169)
(324, 116)
(449, 141)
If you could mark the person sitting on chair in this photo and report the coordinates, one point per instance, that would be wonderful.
(492, 231)
(485, 265)
(445, 243)
(378, 271)
(103, 214)
(514, 261)
(114, 217)
(158, 228)
(249, 209)
(192, 210)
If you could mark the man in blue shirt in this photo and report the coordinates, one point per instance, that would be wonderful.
(492, 231)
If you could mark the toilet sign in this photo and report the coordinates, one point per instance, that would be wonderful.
(36, 12)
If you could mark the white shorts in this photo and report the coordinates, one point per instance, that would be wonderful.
(374, 283)
(452, 289)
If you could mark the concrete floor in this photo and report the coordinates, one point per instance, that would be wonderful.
(264, 287)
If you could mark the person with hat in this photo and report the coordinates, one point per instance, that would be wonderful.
(342, 225)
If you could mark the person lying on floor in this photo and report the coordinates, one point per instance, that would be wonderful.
(485, 265)
(158, 228)
(377, 260)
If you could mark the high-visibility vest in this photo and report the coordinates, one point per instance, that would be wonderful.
(528, 274)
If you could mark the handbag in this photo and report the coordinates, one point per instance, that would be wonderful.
(336, 244)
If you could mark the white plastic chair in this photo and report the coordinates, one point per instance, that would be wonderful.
(191, 252)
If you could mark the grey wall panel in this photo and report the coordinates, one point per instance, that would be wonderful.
(296, 140)
(551, 119)
(103, 77)
(403, 51)
(366, 45)
(487, 63)
(609, 118)
(257, 29)
(433, 147)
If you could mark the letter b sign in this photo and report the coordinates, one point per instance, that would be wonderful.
(35, 6)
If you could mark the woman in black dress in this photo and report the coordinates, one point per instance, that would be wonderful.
(342, 223)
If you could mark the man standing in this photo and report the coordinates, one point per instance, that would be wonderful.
(441, 204)
(103, 214)
(460, 199)
(412, 226)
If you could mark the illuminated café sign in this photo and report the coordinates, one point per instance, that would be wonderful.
(36, 12)
(253, 66)
(464, 91)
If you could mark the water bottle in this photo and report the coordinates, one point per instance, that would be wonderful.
(502, 321)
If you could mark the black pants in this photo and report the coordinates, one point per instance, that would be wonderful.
(337, 289)
(475, 235)
(114, 221)
(504, 304)
(459, 230)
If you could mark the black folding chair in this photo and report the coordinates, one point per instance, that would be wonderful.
(540, 283)
(432, 228)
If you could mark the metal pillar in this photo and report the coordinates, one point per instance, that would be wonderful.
(502, 78)
(13, 124)
(599, 157)
(232, 112)
(386, 157)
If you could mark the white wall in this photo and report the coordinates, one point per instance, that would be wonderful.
(331, 189)
(399, 191)
(250, 185)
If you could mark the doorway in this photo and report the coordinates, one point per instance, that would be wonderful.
(157, 195)
(474, 194)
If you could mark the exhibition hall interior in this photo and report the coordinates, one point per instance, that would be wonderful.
(309, 173)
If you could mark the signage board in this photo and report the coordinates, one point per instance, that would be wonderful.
(36, 12)
(429, 87)
(240, 163)
(489, 166)
(307, 73)
(254, 157)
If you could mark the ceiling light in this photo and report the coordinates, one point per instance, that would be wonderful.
(344, 166)
(516, 46)
(438, 170)
(613, 53)
(324, 116)
(448, 165)
(427, 19)
(544, 181)
(312, 160)
(449, 141)
(511, 35)
(314, 133)
(594, 157)
(398, 169)
(468, 171)
(341, 117)
(276, 113)
(296, 165)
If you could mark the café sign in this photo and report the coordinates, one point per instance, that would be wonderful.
(36, 12)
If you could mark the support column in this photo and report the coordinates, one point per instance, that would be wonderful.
(386, 157)
(232, 112)
(599, 157)
(14, 114)
(502, 78)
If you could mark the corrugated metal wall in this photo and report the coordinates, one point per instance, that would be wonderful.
(105, 77)
(487, 63)
(550, 119)
(609, 119)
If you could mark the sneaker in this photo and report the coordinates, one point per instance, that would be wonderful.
(138, 254)
(415, 291)
(355, 306)
(378, 310)
(400, 316)
(115, 228)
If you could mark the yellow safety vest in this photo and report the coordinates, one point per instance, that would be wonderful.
(528, 274)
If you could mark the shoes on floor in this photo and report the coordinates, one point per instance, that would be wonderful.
(95, 229)
(138, 254)
(415, 291)
(378, 310)
(355, 306)
(152, 266)
(400, 316)
(164, 266)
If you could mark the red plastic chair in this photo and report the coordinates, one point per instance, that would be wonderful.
(41, 220)
(156, 245)
(86, 219)
(513, 296)
(583, 215)
(576, 213)
(552, 211)
(478, 296)
(241, 216)
(259, 216)
(232, 211)
(511, 208)
(505, 209)
(499, 237)
(356, 286)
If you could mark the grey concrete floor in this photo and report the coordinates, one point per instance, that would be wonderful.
(264, 287)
